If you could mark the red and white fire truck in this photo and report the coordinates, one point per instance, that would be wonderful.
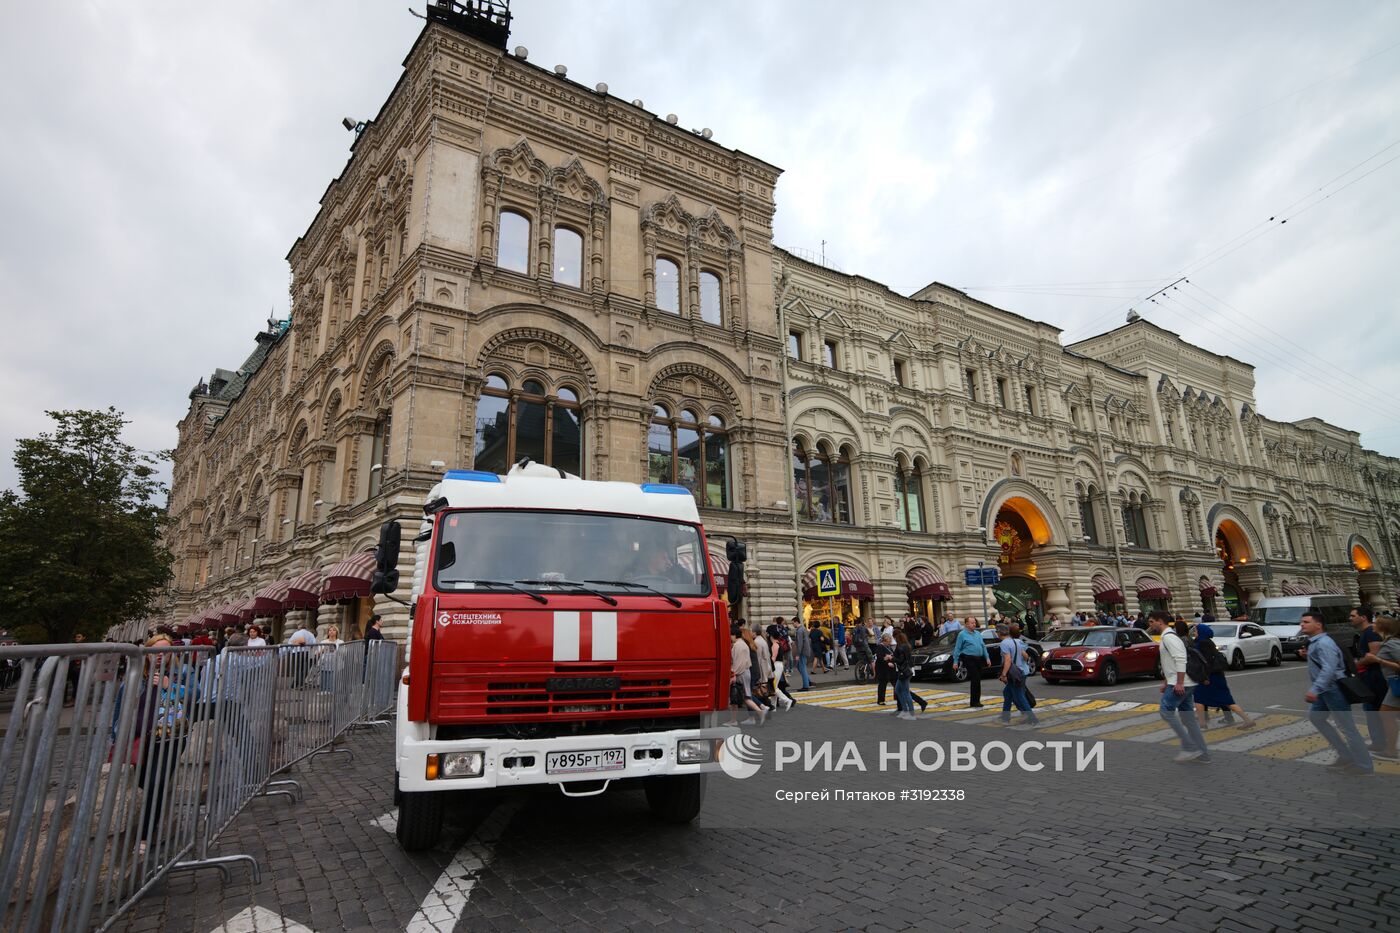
(564, 632)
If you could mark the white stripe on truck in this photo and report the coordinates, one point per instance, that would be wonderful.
(605, 636)
(566, 628)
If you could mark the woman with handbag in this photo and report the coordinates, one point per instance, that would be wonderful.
(740, 671)
(1215, 693)
(1387, 658)
(904, 673)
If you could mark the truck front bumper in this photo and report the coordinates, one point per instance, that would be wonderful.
(518, 762)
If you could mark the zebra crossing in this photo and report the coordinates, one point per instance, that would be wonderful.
(1281, 736)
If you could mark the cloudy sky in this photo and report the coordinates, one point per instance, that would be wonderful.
(1061, 160)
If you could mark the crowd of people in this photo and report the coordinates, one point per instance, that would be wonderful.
(766, 661)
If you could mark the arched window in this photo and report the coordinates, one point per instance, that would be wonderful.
(568, 257)
(691, 452)
(514, 423)
(909, 497)
(1086, 514)
(379, 453)
(513, 247)
(1135, 522)
(668, 286)
(822, 480)
(710, 299)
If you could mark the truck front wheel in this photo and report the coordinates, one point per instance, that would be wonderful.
(676, 798)
(420, 820)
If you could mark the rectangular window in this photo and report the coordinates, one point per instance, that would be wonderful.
(795, 345)
(829, 354)
(1030, 400)
(899, 372)
(1001, 392)
(1074, 416)
(972, 384)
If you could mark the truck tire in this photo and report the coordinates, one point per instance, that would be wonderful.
(677, 798)
(420, 820)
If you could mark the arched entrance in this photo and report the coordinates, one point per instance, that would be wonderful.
(1019, 530)
(1369, 582)
(1233, 548)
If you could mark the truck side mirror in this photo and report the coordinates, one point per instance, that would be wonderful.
(386, 559)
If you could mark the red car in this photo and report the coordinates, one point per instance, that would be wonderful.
(1102, 655)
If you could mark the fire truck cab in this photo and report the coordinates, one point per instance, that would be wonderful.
(566, 632)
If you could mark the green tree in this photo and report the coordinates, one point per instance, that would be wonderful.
(80, 543)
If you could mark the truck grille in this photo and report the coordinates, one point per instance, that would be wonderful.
(555, 691)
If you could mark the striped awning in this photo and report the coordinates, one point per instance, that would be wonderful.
(1334, 591)
(268, 600)
(1105, 589)
(245, 610)
(1298, 588)
(923, 583)
(853, 583)
(228, 614)
(303, 592)
(1150, 587)
(1208, 589)
(349, 579)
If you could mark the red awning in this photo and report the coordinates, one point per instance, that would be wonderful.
(268, 600)
(245, 610)
(853, 584)
(349, 579)
(923, 583)
(1208, 589)
(211, 616)
(303, 592)
(228, 615)
(1150, 587)
(1106, 590)
(1298, 589)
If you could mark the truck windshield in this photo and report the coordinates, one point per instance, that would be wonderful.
(513, 545)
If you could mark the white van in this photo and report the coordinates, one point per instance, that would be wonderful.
(1280, 615)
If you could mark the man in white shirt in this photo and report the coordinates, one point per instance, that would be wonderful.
(1178, 707)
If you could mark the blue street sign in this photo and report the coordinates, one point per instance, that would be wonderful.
(981, 576)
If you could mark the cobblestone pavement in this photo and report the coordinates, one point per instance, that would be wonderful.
(1247, 842)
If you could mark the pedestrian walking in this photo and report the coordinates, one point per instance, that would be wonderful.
(1178, 700)
(1387, 658)
(884, 667)
(1015, 668)
(740, 673)
(1330, 711)
(860, 644)
(763, 660)
(777, 650)
(372, 631)
(1215, 693)
(904, 673)
(970, 651)
(840, 657)
(802, 652)
(821, 645)
(1366, 641)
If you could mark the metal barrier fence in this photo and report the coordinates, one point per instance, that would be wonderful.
(159, 752)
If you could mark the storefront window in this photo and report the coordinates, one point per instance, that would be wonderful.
(822, 480)
(691, 453)
(908, 493)
(512, 424)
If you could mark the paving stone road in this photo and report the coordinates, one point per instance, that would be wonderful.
(1248, 842)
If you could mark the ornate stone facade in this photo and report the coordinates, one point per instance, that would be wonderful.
(512, 263)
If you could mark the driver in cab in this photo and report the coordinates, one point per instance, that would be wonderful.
(657, 561)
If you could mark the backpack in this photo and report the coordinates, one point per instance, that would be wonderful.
(1197, 667)
(1218, 662)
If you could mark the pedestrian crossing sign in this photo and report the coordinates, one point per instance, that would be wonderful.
(829, 580)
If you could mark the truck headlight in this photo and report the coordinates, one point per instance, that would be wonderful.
(695, 751)
(461, 764)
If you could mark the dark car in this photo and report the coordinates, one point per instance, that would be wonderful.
(1103, 655)
(934, 661)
